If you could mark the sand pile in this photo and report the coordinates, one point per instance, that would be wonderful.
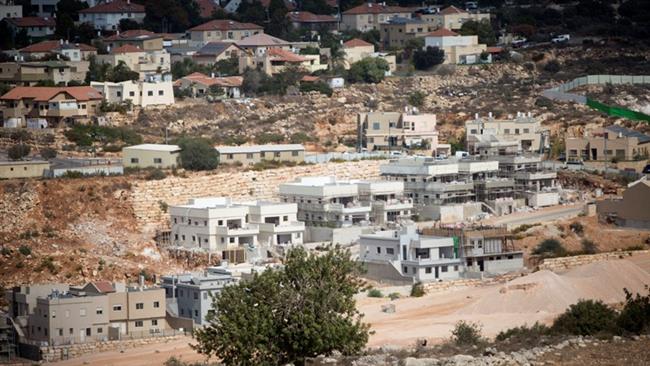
(548, 292)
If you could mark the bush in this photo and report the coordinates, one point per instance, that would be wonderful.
(369, 70)
(426, 59)
(587, 317)
(156, 174)
(48, 153)
(394, 296)
(373, 292)
(466, 333)
(635, 316)
(416, 98)
(589, 247)
(301, 138)
(550, 248)
(198, 154)
(552, 66)
(577, 228)
(524, 333)
(21, 135)
(318, 86)
(417, 290)
(19, 151)
(269, 138)
(25, 250)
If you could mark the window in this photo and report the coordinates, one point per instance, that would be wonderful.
(53, 314)
(154, 322)
(375, 125)
(196, 313)
(229, 156)
(378, 250)
(277, 154)
(443, 269)
(157, 160)
(249, 156)
(132, 94)
(71, 331)
(138, 324)
(100, 330)
(427, 270)
(88, 332)
(506, 131)
(99, 311)
(526, 130)
(119, 94)
(205, 296)
(135, 160)
(390, 251)
(472, 131)
(294, 153)
(117, 307)
(60, 332)
(139, 306)
(456, 268)
(285, 218)
(516, 131)
(232, 240)
(82, 312)
(156, 304)
(150, 93)
(196, 296)
(161, 92)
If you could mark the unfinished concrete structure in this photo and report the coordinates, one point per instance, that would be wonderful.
(534, 184)
(632, 210)
(524, 129)
(611, 142)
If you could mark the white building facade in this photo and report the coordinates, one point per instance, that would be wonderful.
(139, 93)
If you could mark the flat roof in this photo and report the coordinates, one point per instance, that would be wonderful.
(258, 148)
(154, 147)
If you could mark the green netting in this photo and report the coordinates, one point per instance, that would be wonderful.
(456, 245)
(617, 111)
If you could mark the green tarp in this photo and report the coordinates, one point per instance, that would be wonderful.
(617, 111)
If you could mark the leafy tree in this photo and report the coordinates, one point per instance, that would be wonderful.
(285, 315)
(67, 13)
(635, 316)
(128, 24)
(319, 86)
(369, 70)
(588, 246)
(279, 25)
(550, 247)
(482, 29)
(170, 16)
(587, 317)
(252, 81)
(252, 12)
(227, 67)
(317, 7)
(18, 151)
(48, 153)
(411, 46)
(215, 91)
(22, 39)
(121, 72)
(198, 154)
(416, 98)
(467, 333)
(426, 59)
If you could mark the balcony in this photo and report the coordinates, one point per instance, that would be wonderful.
(287, 227)
(499, 183)
(348, 208)
(449, 187)
(394, 204)
(248, 229)
(535, 175)
(431, 261)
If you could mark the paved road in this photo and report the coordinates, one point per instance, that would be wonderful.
(543, 215)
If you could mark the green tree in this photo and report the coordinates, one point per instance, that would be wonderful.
(48, 153)
(170, 16)
(121, 72)
(428, 58)
(550, 248)
(67, 13)
(198, 154)
(284, 315)
(369, 70)
(482, 29)
(227, 67)
(128, 24)
(278, 25)
(18, 151)
(416, 98)
(587, 317)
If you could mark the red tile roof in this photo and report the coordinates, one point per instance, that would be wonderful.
(451, 10)
(103, 286)
(206, 7)
(226, 81)
(494, 50)
(115, 6)
(356, 42)
(309, 78)
(278, 54)
(45, 93)
(32, 22)
(49, 46)
(262, 40)
(442, 32)
(370, 8)
(224, 25)
(133, 34)
(127, 48)
(307, 17)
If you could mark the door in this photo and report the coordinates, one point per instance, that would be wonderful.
(480, 265)
(594, 154)
(436, 271)
(82, 335)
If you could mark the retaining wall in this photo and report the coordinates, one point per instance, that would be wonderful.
(150, 197)
(564, 263)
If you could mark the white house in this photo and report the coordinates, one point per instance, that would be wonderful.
(139, 93)
(458, 49)
(107, 16)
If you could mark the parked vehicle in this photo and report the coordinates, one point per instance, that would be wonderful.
(562, 38)
(517, 43)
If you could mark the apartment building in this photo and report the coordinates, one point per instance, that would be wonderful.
(143, 62)
(151, 155)
(357, 49)
(484, 250)
(35, 27)
(199, 84)
(458, 49)
(143, 94)
(312, 22)
(396, 131)
(273, 55)
(525, 129)
(278, 223)
(140, 38)
(405, 255)
(214, 52)
(607, 143)
(9, 10)
(23, 105)
(398, 31)
(253, 154)
(71, 51)
(223, 30)
(453, 18)
(369, 16)
(30, 73)
(23, 168)
(631, 210)
(536, 185)
(192, 293)
(387, 201)
(43, 8)
(106, 16)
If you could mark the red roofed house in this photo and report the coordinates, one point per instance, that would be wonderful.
(223, 30)
(314, 22)
(272, 55)
(453, 18)
(146, 40)
(199, 84)
(369, 16)
(458, 49)
(138, 60)
(213, 52)
(25, 105)
(36, 27)
(107, 16)
(73, 51)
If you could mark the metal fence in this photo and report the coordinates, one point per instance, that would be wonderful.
(326, 157)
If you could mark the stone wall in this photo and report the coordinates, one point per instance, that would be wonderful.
(57, 353)
(150, 197)
(469, 282)
(564, 263)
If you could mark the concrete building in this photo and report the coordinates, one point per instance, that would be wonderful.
(151, 155)
(35, 27)
(536, 185)
(9, 10)
(313, 22)
(223, 30)
(404, 255)
(631, 210)
(192, 293)
(43, 8)
(273, 55)
(396, 131)
(49, 106)
(254, 154)
(357, 49)
(199, 85)
(30, 73)
(72, 51)
(452, 18)
(387, 201)
(607, 143)
(214, 52)
(145, 63)
(369, 16)
(138, 93)
(458, 49)
(23, 169)
(398, 31)
(525, 129)
(140, 38)
(278, 223)
(106, 16)
(86, 166)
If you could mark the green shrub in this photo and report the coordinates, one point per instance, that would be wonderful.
(587, 317)
(417, 290)
(48, 153)
(269, 138)
(112, 148)
(416, 98)
(467, 333)
(18, 151)
(318, 86)
(522, 228)
(301, 138)
(552, 66)
(524, 333)
(394, 296)
(550, 248)
(577, 228)
(589, 247)
(72, 174)
(373, 292)
(156, 174)
(198, 154)
(6, 251)
(635, 316)
(25, 250)
(21, 135)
